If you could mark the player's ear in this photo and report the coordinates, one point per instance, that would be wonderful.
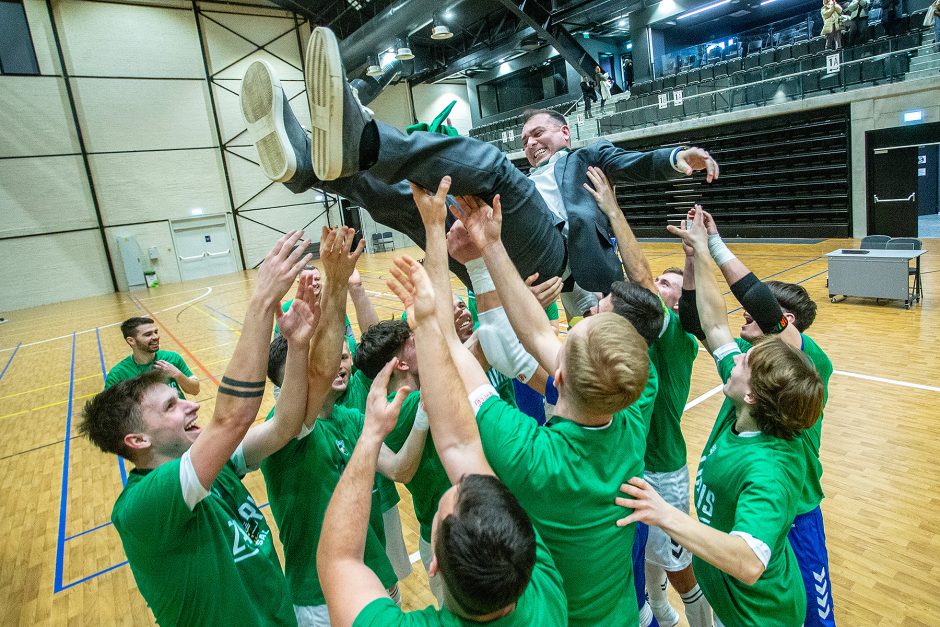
(137, 441)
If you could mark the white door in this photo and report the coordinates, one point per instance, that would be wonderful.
(203, 247)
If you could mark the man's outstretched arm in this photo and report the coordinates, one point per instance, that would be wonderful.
(348, 584)
(242, 385)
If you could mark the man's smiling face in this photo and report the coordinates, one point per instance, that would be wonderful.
(543, 136)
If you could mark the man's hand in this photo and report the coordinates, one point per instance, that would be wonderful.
(382, 416)
(648, 507)
(411, 283)
(169, 369)
(336, 252)
(355, 280)
(281, 266)
(693, 159)
(694, 235)
(299, 322)
(482, 221)
(546, 292)
(432, 206)
(460, 246)
(603, 193)
(707, 219)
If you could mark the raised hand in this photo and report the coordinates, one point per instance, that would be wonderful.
(602, 192)
(299, 322)
(460, 246)
(432, 206)
(648, 507)
(337, 253)
(382, 415)
(482, 221)
(282, 265)
(693, 159)
(707, 218)
(412, 285)
(694, 235)
(546, 292)
(166, 367)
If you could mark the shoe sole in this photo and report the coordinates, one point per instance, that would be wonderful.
(323, 74)
(262, 103)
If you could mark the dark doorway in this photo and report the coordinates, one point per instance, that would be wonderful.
(892, 192)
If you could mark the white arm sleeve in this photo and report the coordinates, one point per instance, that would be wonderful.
(760, 548)
(502, 348)
(193, 492)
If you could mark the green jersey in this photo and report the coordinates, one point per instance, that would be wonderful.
(566, 476)
(348, 332)
(812, 493)
(673, 354)
(300, 479)
(542, 604)
(748, 485)
(213, 564)
(430, 481)
(127, 369)
(551, 311)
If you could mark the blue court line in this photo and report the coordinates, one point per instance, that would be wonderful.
(10, 360)
(92, 576)
(81, 533)
(63, 502)
(221, 313)
(104, 377)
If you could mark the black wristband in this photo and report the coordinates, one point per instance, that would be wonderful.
(759, 302)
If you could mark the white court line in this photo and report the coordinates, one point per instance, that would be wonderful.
(906, 384)
(704, 397)
(414, 557)
(113, 324)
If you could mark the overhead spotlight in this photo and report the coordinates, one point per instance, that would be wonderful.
(374, 68)
(440, 31)
(403, 52)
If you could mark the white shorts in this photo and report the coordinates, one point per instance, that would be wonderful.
(312, 615)
(660, 548)
(395, 543)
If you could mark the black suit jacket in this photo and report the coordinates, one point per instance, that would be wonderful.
(591, 254)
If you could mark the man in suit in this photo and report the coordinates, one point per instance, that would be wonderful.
(370, 162)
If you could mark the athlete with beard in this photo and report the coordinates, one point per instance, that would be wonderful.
(143, 336)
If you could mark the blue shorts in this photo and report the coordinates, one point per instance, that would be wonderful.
(639, 566)
(808, 539)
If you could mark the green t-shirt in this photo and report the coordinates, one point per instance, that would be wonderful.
(551, 311)
(212, 565)
(749, 484)
(430, 481)
(812, 494)
(566, 476)
(348, 332)
(127, 369)
(673, 354)
(300, 479)
(542, 604)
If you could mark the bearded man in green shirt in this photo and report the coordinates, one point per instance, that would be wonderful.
(143, 336)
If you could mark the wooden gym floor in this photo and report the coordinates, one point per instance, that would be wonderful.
(61, 561)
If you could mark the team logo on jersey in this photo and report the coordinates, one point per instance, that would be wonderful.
(341, 445)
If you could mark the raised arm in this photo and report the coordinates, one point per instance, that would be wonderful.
(525, 314)
(348, 584)
(634, 261)
(365, 310)
(444, 395)
(297, 326)
(242, 385)
(627, 166)
(709, 302)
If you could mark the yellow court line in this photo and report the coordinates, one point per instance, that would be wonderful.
(46, 387)
(23, 411)
(217, 319)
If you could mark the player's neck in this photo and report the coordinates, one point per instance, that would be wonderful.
(744, 422)
(576, 414)
(143, 357)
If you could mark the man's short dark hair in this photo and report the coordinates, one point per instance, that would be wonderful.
(129, 326)
(277, 357)
(640, 307)
(554, 115)
(485, 548)
(674, 270)
(115, 412)
(379, 344)
(795, 299)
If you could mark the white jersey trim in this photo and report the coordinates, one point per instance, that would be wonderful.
(724, 350)
(761, 550)
(193, 492)
(480, 395)
(304, 431)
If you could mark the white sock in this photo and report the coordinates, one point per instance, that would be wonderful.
(656, 584)
(697, 610)
(646, 615)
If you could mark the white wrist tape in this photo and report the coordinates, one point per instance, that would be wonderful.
(718, 250)
(480, 277)
(502, 348)
(421, 418)
(480, 395)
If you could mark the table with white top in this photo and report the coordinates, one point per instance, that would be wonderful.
(874, 274)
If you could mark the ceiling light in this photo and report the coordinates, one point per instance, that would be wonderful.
(374, 68)
(404, 54)
(704, 8)
(440, 31)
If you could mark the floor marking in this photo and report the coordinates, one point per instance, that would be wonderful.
(222, 313)
(704, 397)
(63, 501)
(182, 346)
(112, 324)
(104, 375)
(46, 387)
(216, 319)
(10, 360)
(906, 384)
(414, 557)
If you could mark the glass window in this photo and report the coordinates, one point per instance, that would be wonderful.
(524, 87)
(16, 44)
